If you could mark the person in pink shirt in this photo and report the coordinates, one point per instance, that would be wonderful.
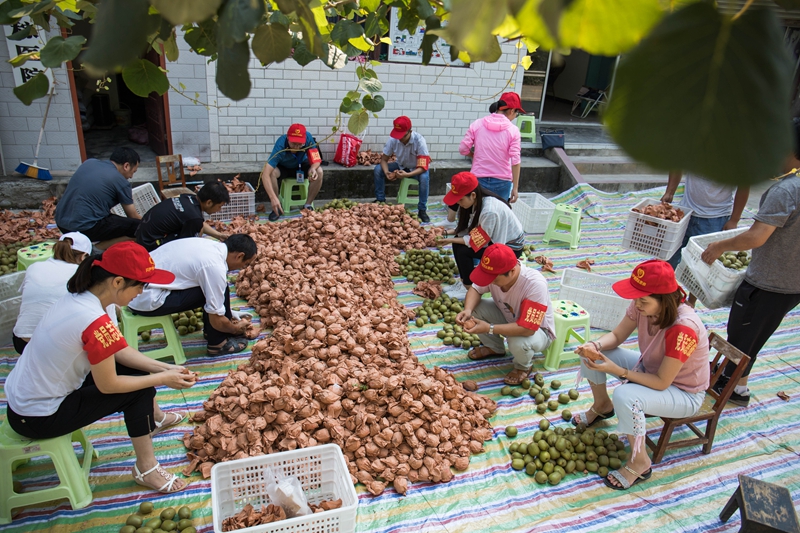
(669, 376)
(493, 142)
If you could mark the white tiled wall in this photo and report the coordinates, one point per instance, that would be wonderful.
(191, 133)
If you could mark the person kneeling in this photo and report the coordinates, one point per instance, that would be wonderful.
(668, 379)
(519, 310)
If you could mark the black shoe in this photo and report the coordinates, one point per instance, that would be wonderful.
(739, 399)
(310, 207)
(423, 216)
(721, 383)
(378, 201)
(274, 216)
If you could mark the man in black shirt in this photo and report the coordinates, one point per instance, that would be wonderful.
(181, 217)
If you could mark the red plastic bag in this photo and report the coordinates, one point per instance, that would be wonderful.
(347, 150)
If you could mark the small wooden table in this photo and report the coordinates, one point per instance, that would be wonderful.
(765, 507)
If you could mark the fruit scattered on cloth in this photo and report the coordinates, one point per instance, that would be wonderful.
(541, 394)
(339, 204)
(427, 265)
(547, 263)
(586, 264)
(527, 252)
(169, 520)
(29, 226)
(8, 257)
(735, 260)
(368, 157)
(338, 367)
(664, 211)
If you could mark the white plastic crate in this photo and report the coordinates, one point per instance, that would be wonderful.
(9, 311)
(718, 283)
(10, 284)
(533, 211)
(593, 292)
(321, 470)
(687, 279)
(241, 204)
(654, 236)
(144, 198)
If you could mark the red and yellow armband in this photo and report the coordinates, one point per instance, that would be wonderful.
(681, 342)
(423, 162)
(102, 339)
(478, 238)
(531, 315)
(313, 156)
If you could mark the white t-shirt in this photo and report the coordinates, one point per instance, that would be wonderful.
(196, 262)
(706, 198)
(406, 153)
(499, 222)
(530, 286)
(75, 333)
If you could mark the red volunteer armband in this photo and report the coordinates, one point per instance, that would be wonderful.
(478, 238)
(102, 339)
(531, 315)
(423, 162)
(313, 156)
(681, 342)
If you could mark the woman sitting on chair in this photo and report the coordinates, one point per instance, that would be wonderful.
(670, 376)
(78, 369)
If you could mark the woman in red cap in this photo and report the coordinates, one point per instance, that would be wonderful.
(78, 368)
(668, 377)
(483, 218)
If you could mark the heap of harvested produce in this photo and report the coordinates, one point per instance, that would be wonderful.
(368, 157)
(29, 226)
(338, 367)
(664, 211)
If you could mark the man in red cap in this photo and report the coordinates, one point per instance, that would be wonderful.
(295, 156)
(413, 161)
(519, 310)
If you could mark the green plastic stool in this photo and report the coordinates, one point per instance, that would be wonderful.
(407, 194)
(527, 127)
(568, 316)
(290, 189)
(73, 477)
(558, 225)
(33, 254)
(133, 324)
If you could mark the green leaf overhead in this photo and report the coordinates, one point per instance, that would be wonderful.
(57, 50)
(185, 11)
(301, 54)
(370, 85)
(470, 27)
(272, 43)
(202, 38)
(237, 19)
(171, 48)
(373, 103)
(31, 9)
(369, 6)
(119, 34)
(143, 77)
(344, 30)
(232, 76)
(699, 95)
(34, 88)
(7, 7)
(358, 122)
(607, 27)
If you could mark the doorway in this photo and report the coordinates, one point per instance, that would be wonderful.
(110, 115)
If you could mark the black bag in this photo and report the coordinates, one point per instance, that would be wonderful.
(552, 139)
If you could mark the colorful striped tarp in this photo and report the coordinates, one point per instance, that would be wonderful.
(685, 494)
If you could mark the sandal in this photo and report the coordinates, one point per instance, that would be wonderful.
(177, 418)
(517, 376)
(625, 484)
(166, 488)
(583, 419)
(231, 345)
(483, 352)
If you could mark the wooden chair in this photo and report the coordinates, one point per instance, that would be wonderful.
(712, 406)
(175, 184)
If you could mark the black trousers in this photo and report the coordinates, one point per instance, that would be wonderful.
(87, 405)
(188, 299)
(465, 260)
(111, 227)
(755, 315)
(19, 344)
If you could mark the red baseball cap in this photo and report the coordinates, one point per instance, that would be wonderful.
(651, 277)
(297, 133)
(497, 259)
(402, 125)
(461, 185)
(131, 260)
(512, 102)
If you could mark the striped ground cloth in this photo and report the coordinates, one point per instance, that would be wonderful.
(686, 493)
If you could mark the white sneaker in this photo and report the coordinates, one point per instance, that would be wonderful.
(456, 290)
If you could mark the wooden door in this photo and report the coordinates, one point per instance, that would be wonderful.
(157, 120)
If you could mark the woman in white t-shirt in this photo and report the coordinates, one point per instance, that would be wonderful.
(46, 282)
(483, 219)
(77, 368)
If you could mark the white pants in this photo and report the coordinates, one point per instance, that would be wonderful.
(521, 348)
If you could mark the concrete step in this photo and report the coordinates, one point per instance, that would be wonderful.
(609, 164)
(625, 182)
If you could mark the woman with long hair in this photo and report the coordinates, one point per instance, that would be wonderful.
(78, 368)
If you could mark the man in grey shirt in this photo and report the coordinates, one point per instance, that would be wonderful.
(771, 287)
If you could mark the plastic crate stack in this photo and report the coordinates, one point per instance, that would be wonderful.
(144, 198)
(10, 302)
(593, 292)
(533, 211)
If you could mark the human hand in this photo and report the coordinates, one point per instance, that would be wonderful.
(711, 253)
(588, 351)
(730, 224)
(445, 240)
(391, 176)
(514, 196)
(668, 196)
(479, 327)
(276, 203)
(401, 174)
(462, 317)
(598, 361)
(178, 379)
(312, 174)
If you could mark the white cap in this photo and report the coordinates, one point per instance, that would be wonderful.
(80, 242)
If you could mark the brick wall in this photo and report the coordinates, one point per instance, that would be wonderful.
(20, 124)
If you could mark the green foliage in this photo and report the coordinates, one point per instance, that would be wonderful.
(237, 20)
(57, 50)
(185, 11)
(119, 34)
(143, 77)
(272, 43)
(607, 27)
(34, 88)
(358, 122)
(7, 7)
(202, 38)
(373, 103)
(232, 76)
(715, 104)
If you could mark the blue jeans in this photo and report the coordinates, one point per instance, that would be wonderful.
(698, 226)
(501, 188)
(380, 184)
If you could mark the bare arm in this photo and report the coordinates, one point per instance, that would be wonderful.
(109, 382)
(208, 230)
(385, 164)
(672, 186)
(130, 211)
(756, 236)
(224, 324)
(515, 181)
(739, 201)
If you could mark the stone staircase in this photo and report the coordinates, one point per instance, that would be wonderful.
(615, 172)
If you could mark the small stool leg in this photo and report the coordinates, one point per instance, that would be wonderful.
(730, 507)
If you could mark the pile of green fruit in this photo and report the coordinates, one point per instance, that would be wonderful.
(426, 265)
(541, 395)
(167, 521)
(8, 257)
(339, 204)
(527, 251)
(735, 260)
(554, 453)
(186, 322)
(443, 308)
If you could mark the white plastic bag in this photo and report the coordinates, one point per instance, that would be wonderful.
(287, 492)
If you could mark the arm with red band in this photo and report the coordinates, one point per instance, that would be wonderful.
(531, 315)
(423, 162)
(680, 342)
(314, 158)
(102, 339)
